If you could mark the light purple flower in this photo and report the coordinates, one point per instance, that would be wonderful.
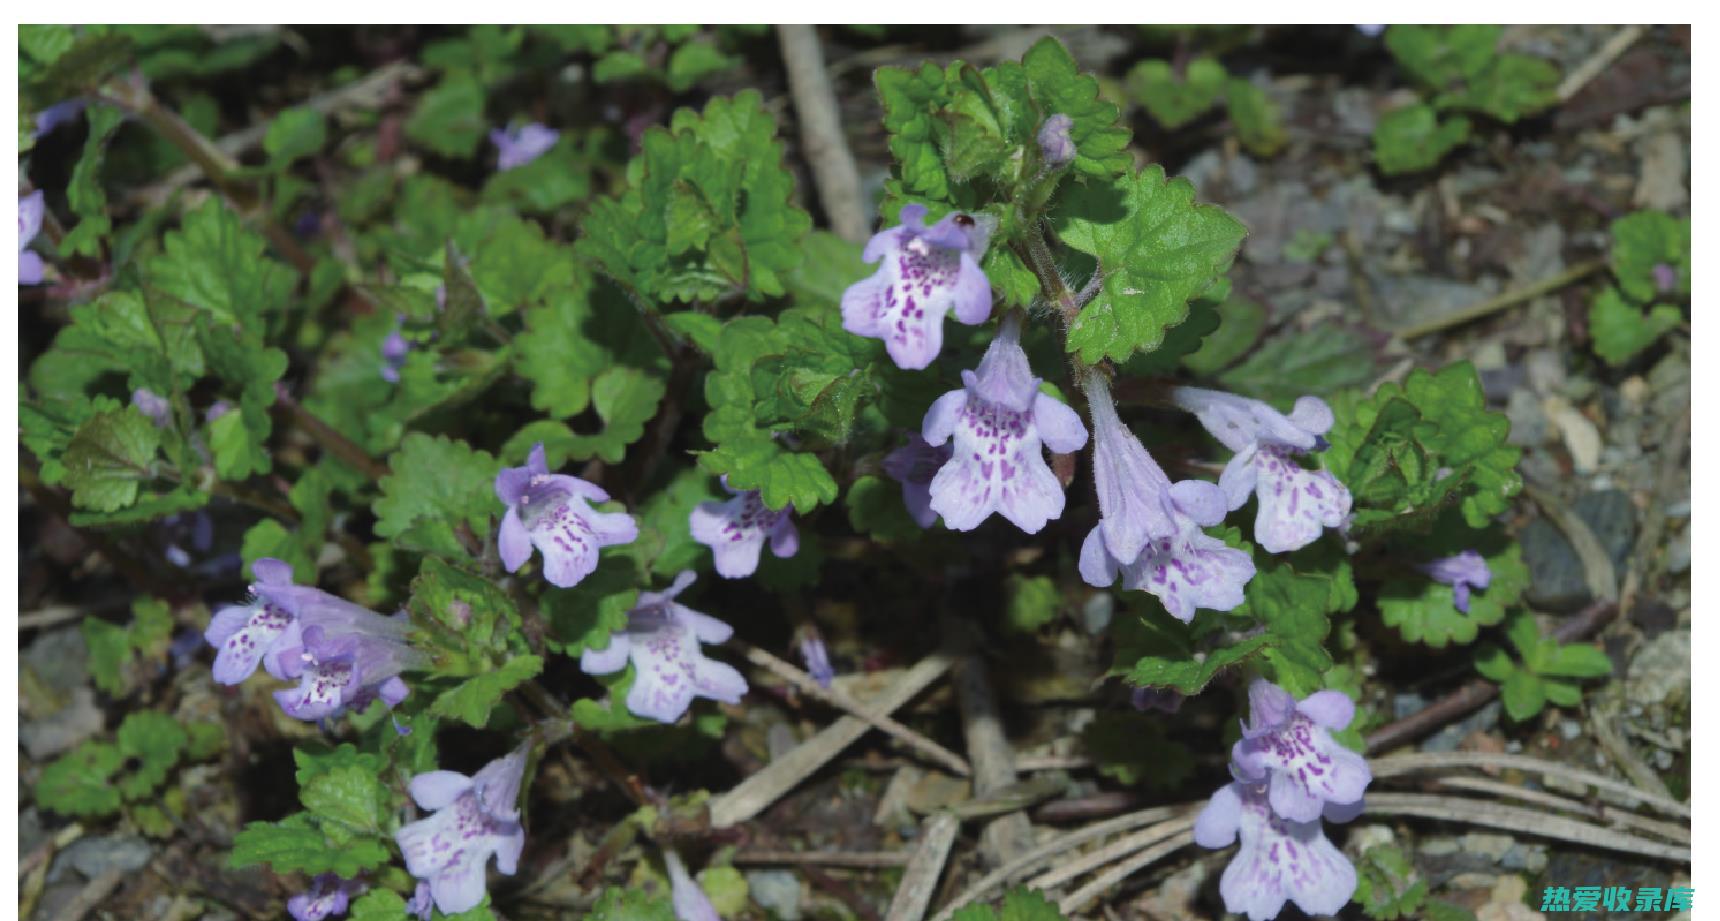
(925, 273)
(471, 819)
(685, 894)
(341, 672)
(998, 421)
(662, 639)
(1665, 278)
(30, 211)
(736, 531)
(517, 146)
(153, 405)
(268, 629)
(914, 465)
(395, 348)
(216, 410)
(552, 512)
(1279, 860)
(817, 658)
(327, 898)
(1295, 503)
(57, 114)
(1288, 745)
(1056, 147)
(1465, 571)
(421, 903)
(1149, 530)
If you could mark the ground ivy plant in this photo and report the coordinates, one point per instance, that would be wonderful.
(503, 452)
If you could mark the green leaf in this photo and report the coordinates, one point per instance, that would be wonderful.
(293, 134)
(782, 477)
(1386, 884)
(84, 192)
(1134, 749)
(1241, 321)
(110, 455)
(584, 616)
(351, 796)
(1425, 611)
(1018, 905)
(378, 905)
(110, 650)
(631, 904)
(695, 61)
(469, 607)
(1415, 138)
(1314, 361)
(1158, 250)
(215, 265)
(1158, 651)
(296, 844)
(1643, 240)
(79, 783)
(1439, 56)
(1579, 660)
(1032, 602)
(449, 120)
(1175, 101)
(1493, 663)
(1059, 87)
(477, 696)
(433, 486)
(623, 398)
(1523, 695)
(1258, 121)
(151, 742)
(1513, 86)
(875, 508)
(1621, 330)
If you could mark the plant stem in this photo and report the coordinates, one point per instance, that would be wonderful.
(331, 439)
(1509, 299)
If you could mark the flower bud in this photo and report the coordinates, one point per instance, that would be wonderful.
(1055, 144)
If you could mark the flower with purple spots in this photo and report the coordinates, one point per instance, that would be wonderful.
(685, 893)
(268, 629)
(30, 213)
(1295, 503)
(662, 640)
(327, 898)
(1149, 530)
(1463, 572)
(153, 405)
(914, 465)
(925, 272)
(736, 531)
(552, 512)
(519, 145)
(1280, 860)
(472, 818)
(340, 672)
(998, 421)
(421, 903)
(1288, 746)
(1056, 147)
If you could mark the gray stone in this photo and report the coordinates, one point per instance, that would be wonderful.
(1659, 669)
(63, 729)
(776, 891)
(1528, 420)
(1678, 553)
(1530, 857)
(57, 658)
(1405, 704)
(1556, 578)
(94, 856)
(1447, 739)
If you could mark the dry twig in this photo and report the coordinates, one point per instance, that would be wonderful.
(920, 880)
(821, 132)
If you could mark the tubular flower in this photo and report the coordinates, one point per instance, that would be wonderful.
(327, 898)
(1465, 571)
(1295, 503)
(925, 273)
(268, 629)
(998, 421)
(472, 818)
(30, 210)
(1287, 745)
(520, 145)
(1149, 530)
(1279, 860)
(552, 512)
(662, 639)
(344, 671)
(914, 465)
(736, 531)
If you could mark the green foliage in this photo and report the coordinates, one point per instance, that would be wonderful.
(1319, 361)
(96, 777)
(1416, 138)
(348, 817)
(295, 133)
(1018, 905)
(1386, 884)
(214, 264)
(111, 454)
(435, 486)
(1546, 671)
(1621, 330)
(114, 650)
(1158, 250)
(1258, 121)
(1175, 100)
(1410, 451)
(1134, 749)
(449, 119)
(1033, 602)
(631, 904)
(475, 698)
(1424, 611)
(1625, 320)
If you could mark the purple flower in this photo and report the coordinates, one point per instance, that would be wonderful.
(517, 146)
(421, 903)
(1462, 572)
(551, 511)
(345, 671)
(269, 628)
(216, 410)
(471, 819)
(57, 114)
(685, 894)
(1279, 860)
(153, 405)
(1289, 745)
(662, 639)
(395, 348)
(925, 272)
(1149, 530)
(1163, 699)
(736, 531)
(30, 210)
(1295, 503)
(914, 465)
(817, 659)
(1665, 278)
(327, 898)
(1056, 147)
(998, 420)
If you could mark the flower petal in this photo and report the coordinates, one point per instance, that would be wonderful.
(1218, 822)
(1059, 426)
(513, 542)
(438, 789)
